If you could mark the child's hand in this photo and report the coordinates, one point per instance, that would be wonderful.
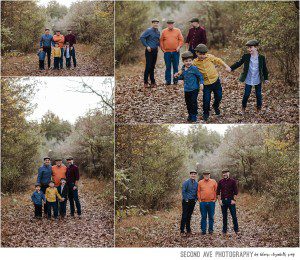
(176, 75)
(228, 69)
(63, 199)
(201, 86)
(267, 81)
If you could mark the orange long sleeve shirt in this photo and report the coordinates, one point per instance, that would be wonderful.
(60, 39)
(58, 173)
(171, 39)
(207, 190)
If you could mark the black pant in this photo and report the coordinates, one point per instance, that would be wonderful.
(43, 189)
(62, 208)
(41, 64)
(191, 101)
(216, 88)
(68, 62)
(232, 208)
(52, 205)
(151, 58)
(47, 50)
(187, 211)
(38, 209)
(73, 196)
(56, 63)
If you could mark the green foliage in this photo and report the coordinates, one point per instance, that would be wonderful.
(22, 23)
(55, 128)
(55, 10)
(20, 139)
(150, 160)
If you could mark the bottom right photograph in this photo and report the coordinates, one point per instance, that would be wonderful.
(207, 186)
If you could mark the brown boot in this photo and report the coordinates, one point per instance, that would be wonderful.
(243, 110)
(146, 85)
(153, 85)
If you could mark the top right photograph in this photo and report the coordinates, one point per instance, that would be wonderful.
(206, 62)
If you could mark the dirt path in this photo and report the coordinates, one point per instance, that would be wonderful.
(27, 65)
(94, 229)
(165, 104)
(162, 230)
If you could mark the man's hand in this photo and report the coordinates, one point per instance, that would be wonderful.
(178, 48)
(221, 203)
(228, 69)
(148, 49)
(63, 199)
(233, 202)
(267, 81)
(41, 49)
(75, 188)
(201, 86)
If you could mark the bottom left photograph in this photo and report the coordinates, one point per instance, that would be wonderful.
(57, 162)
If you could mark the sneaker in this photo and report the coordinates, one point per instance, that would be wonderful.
(168, 83)
(203, 233)
(210, 232)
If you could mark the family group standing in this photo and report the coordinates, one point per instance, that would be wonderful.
(55, 185)
(58, 46)
(199, 69)
(207, 191)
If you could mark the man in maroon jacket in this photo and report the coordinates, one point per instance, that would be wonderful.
(71, 39)
(196, 35)
(72, 177)
(227, 192)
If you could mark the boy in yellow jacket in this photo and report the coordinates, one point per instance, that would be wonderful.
(51, 195)
(206, 64)
(57, 56)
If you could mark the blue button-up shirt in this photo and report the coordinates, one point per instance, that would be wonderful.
(46, 40)
(253, 72)
(189, 190)
(150, 38)
(44, 174)
(38, 198)
(192, 78)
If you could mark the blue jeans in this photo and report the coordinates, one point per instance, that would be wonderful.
(207, 208)
(61, 60)
(257, 93)
(52, 205)
(191, 101)
(73, 196)
(232, 208)
(216, 88)
(171, 60)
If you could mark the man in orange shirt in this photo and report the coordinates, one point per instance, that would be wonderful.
(207, 195)
(60, 40)
(171, 41)
(58, 171)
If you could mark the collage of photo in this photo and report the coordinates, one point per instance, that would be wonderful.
(150, 124)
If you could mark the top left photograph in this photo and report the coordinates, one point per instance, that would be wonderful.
(57, 38)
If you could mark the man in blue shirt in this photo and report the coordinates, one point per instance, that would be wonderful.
(150, 39)
(44, 177)
(45, 44)
(189, 198)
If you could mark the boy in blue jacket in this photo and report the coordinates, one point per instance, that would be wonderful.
(42, 56)
(37, 198)
(192, 78)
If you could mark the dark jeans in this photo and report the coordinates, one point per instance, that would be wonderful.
(61, 60)
(187, 211)
(191, 101)
(52, 205)
(247, 95)
(38, 209)
(68, 62)
(171, 60)
(216, 88)
(56, 63)
(41, 64)
(62, 208)
(73, 196)
(43, 189)
(151, 58)
(232, 208)
(47, 50)
(207, 209)
(73, 55)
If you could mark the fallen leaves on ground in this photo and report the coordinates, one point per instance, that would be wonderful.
(87, 65)
(161, 229)
(166, 104)
(94, 229)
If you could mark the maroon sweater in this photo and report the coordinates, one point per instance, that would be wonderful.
(72, 174)
(196, 36)
(71, 38)
(227, 188)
